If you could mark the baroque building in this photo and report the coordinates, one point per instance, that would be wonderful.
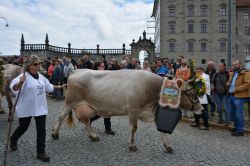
(243, 30)
(196, 29)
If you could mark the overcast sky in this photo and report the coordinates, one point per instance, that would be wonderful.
(83, 23)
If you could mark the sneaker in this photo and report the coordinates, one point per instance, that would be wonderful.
(237, 133)
(13, 145)
(43, 156)
(2, 112)
(110, 132)
(212, 114)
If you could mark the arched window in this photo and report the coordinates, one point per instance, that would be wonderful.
(203, 26)
(171, 26)
(223, 9)
(171, 45)
(203, 10)
(223, 26)
(190, 26)
(203, 43)
(222, 44)
(190, 45)
(190, 10)
(171, 11)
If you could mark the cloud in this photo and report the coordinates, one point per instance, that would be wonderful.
(82, 23)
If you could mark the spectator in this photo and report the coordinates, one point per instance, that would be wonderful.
(146, 66)
(204, 102)
(51, 69)
(183, 72)
(107, 122)
(85, 63)
(114, 65)
(211, 72)
(161, 69)
(170, 73)
(220, 92)
(57, 79)
(123, 64)
(103, 60)
(133, 64)
(239, 84)
(154, 67)
(67, 70)
(177, 64)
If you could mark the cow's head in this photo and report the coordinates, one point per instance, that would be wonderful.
(189, 100)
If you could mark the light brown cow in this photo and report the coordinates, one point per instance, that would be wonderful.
(114, 93)
(10, 72)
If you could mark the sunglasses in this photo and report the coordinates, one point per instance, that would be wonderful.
(36, 64)
(102, 66)
(183, 63)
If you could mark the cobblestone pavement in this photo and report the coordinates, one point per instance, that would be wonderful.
(192, 146)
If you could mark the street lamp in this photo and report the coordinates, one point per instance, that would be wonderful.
(5, 21)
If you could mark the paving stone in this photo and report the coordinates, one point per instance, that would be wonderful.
(192, 146)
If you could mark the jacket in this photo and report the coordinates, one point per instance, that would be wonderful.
(242, 84)
(219, 82)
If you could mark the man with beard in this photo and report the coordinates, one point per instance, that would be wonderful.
(239, 84)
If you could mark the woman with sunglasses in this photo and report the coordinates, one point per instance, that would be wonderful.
(183, 72)
(107, 122)
(32, 103)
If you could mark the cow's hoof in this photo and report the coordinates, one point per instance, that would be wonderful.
(94, 139)
(133, 148)
(169, 149)
(55, 136)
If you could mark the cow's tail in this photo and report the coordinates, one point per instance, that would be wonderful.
(70, 120)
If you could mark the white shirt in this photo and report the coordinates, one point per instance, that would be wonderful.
(203, 99)
(32, 100)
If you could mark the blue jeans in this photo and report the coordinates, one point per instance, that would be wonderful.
(236, 106)
(222, 99)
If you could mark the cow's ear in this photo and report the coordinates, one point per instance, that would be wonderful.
(179, 83)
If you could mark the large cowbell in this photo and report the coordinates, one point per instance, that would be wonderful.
(167, 118)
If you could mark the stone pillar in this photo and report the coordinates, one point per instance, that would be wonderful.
(98, 49)
(46, 42)
(22, 46)
(123, 49)
(69, 49)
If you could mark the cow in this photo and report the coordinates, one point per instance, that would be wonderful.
(135, 93)
(10, 72)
